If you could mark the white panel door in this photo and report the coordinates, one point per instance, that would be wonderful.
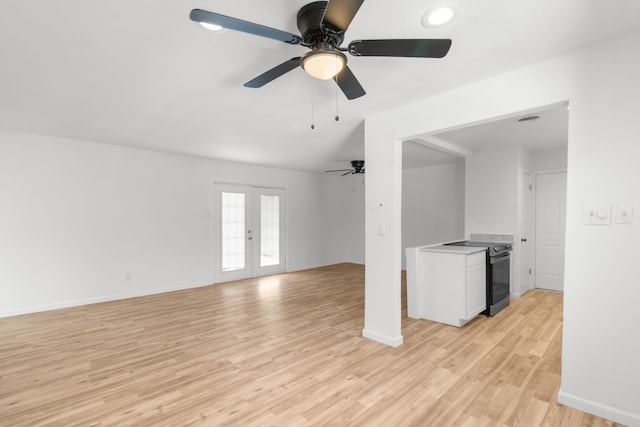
(524, 239)
(550, 222)
(249, 232)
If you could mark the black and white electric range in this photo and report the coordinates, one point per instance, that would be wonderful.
(498, 271)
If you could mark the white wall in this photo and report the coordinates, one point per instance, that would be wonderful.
(600, 369)
(82, 222)
(433, 208)
(353, 235)
(491, 191)
(433, 200)
(549, 159)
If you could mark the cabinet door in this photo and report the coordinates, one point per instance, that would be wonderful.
(476, 289)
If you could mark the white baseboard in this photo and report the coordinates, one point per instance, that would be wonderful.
(95, 300)
(390, 341)
(599, 409)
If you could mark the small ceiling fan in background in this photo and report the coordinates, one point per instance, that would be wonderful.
(322, 25)
(357, 166)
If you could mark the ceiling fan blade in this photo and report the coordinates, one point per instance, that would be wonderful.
(340, 170)
(199, 15)
(339, 13)
(273, 73)
(348, 83)
(416, 48)
(348, 173)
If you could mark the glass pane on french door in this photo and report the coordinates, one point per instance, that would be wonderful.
(232, 249)
(269, 227)
(233, 230)
(269, 230)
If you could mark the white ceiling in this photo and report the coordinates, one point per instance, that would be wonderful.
(548, 132)
(142, 74)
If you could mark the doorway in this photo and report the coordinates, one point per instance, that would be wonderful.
(249, 232)
(550, 224)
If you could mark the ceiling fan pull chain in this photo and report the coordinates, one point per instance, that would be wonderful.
(313, 126)
(337, 77)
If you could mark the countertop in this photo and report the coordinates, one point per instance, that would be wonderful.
(465, 250)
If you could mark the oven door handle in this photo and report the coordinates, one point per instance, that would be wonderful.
(498, 258)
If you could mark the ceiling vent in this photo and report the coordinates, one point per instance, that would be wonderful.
(528, 119)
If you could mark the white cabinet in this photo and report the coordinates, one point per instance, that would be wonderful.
(446, 287)
(476, 284)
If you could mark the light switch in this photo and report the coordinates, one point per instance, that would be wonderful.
(624, 214)
(381, 229)
(596, 215)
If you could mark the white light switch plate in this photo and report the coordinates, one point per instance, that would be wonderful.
(596, 214)
(624, 214)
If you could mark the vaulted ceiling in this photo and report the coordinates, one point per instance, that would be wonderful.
(142, 74)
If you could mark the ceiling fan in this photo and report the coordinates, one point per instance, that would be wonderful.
(322, 25)
(357, 166)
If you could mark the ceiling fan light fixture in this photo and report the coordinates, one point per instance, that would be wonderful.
(323, 64)
(211, 27)
(438, 16)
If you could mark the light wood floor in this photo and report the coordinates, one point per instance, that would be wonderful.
(284, 350)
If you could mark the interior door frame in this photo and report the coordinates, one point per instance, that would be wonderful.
(216, 232)
(527, 263)
(534, 218)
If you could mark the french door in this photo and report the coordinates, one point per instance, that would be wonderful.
(249, 238)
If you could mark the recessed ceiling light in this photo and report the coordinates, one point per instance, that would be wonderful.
(211, 27)
(438, 16)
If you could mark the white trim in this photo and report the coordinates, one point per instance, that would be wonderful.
(438, 144)
(595, 408)
(548, 171)
(97, 300)
(390, 341)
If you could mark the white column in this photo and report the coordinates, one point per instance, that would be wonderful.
(383, 195)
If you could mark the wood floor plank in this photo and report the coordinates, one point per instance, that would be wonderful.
(283, 350)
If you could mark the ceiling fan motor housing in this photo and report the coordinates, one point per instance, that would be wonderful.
(357, 165)
(310, 25)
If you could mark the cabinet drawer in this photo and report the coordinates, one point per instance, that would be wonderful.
(477, 258)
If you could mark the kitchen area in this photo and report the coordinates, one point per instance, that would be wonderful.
(453, 282)
(469, 247)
